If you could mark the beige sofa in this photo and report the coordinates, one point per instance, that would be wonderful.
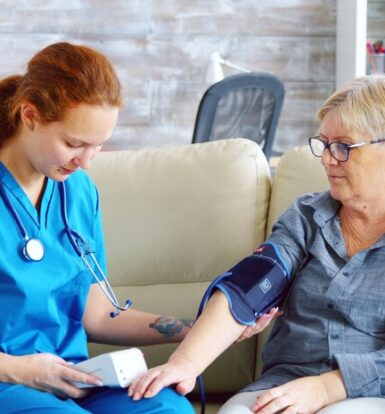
(176, 217)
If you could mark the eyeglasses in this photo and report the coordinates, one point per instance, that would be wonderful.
(338, 150)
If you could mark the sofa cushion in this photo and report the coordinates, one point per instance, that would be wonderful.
(174, 219)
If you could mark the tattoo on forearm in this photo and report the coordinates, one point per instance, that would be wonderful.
(169, 327)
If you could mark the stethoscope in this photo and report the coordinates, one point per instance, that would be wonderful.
(33, 249)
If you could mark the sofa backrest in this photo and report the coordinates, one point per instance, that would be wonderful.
(298, 172)
(174, 219)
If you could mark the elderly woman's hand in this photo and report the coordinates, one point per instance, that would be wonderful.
(305, 395)
(262, 323)
(177, 371)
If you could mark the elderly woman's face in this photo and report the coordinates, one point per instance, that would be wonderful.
(362, 177)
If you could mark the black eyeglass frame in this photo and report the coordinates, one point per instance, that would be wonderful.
(347, 147)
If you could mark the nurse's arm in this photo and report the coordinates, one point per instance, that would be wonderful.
(131, 327)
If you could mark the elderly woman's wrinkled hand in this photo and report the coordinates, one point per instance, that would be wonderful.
(176, 371)
(262, 323)
(301, 396)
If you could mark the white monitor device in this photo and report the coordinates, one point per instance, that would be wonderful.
(114, 369)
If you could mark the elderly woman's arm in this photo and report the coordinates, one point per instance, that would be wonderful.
(212, 333)
(216, 329)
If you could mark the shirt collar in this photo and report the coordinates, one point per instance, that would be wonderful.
(325, 207)
(326, 210)
(7, 178)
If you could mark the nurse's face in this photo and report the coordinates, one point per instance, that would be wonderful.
(57, 149)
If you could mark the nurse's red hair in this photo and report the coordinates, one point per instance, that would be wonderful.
(58, 77)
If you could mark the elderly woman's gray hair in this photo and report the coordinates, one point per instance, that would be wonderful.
(360, 105)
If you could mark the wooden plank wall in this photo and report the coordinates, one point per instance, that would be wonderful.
(376, 19)
(160, 49)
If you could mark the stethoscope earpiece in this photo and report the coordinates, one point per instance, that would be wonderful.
(33, 250)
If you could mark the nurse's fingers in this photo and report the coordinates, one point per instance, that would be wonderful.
(48, 372)
(262, 323)
(252, 330)
(64, 390)
(73, 375)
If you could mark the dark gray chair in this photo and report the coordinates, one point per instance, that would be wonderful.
(246, 105)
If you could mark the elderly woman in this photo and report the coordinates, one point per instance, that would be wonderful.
(328, 349)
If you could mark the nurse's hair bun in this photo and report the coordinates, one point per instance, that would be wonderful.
(58, 77)
(8, 88)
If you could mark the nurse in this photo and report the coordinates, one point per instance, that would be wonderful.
(53, 120)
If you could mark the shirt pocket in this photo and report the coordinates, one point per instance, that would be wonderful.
(367, 314)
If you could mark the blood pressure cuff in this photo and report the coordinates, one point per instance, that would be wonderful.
(255, 285)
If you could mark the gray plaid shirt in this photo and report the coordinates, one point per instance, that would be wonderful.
(335, 310)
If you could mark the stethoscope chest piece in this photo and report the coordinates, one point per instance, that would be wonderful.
(33, 250)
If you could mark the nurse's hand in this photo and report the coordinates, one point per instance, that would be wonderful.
(262, 323)
(176, 371)
(50, 373)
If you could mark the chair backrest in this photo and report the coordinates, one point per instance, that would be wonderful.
(246, 105)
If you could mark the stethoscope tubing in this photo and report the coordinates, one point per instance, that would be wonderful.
(74, 238)
(76, 241)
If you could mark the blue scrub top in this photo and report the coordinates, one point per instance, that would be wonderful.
(42, 303)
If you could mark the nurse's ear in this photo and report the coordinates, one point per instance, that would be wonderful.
(29, 115)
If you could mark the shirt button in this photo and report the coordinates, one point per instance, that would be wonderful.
(330, 306)
(346, 274)
(334, 336)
